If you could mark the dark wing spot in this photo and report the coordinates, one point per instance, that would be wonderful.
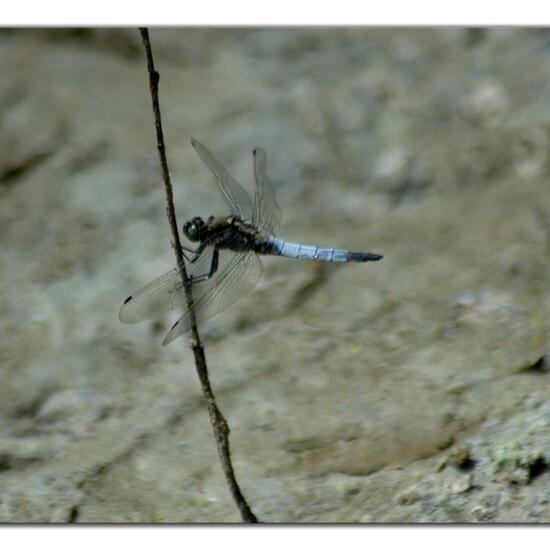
(127, 299)
(175, 325)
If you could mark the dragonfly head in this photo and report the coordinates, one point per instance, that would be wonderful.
(193, 229)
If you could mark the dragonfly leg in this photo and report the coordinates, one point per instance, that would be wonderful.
(213, 269)
(187, 249)
(197, 253)
(194, 253)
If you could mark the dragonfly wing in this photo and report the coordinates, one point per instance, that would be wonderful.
(203, 266)
(267, 212)
(154, 299)
(164, 293)
(240, 276)
(237, 198)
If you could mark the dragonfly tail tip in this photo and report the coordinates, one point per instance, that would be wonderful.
(365, 257)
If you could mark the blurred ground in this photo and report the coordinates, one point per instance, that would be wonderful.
(412, 390)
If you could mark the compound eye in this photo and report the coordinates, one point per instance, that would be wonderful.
(189, 229)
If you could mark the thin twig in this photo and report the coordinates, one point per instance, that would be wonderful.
(219, 424)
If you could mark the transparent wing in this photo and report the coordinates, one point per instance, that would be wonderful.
(166, 292)
(267, 212)
(237, 198)
(152, 300)
(239, 277)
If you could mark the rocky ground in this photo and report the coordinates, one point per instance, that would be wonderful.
(411, 390)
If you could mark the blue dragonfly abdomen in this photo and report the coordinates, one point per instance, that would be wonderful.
(279, 247)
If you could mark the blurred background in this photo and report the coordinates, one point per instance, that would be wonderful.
(411, 390)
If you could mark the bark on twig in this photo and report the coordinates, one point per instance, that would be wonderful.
(219, 424)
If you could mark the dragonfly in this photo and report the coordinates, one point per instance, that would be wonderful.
(225, 264)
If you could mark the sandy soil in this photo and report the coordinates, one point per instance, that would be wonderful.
(411, 390)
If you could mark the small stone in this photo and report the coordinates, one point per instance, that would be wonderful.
(481, 513)
(408, 497)
(518, 464)
(488, 100)
(461, 458)
(464, 484)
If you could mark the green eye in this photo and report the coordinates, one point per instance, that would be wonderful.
(193, 229)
